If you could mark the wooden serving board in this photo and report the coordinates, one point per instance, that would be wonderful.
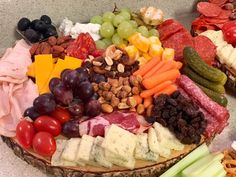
(142, 168)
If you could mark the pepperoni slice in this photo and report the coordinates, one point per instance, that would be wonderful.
(205, 48)
(218, 2)
(208, 9)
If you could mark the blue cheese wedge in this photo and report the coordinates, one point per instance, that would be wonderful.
(166, 138)
(142, 150)
(155, 145)
(224, 53)
(98, 153)
(113, 158)
(119, 142)
(85, 148)
(70, 151)
(56, 159)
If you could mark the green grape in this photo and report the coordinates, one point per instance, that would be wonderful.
(125, 14)
(153, 32)
(100, 44)
(125, 42)
(107, 30)
(117, 20)
(126, 9)
(108, 16)
(107, 41)
(125, 29)
(96, 20)
(143, 30)
(133, 23)
(116, 39)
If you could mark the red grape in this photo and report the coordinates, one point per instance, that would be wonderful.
(71, 129)
(53, 83)
(76, 109)
(63, 94)
(44, 103)
(93, 108)
(84, 91)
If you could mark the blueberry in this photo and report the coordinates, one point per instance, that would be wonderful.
(46, 19)
(23, 24)
(32, 35)
(32, 24)
(40, 26)
(51, 27)
(50, 32)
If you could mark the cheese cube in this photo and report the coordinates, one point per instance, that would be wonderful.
(140, 42)
(142, 61)
(155, 50)
(155, 145)
(120, 142)
(154, 40)
(146, 56)
(43, 69)
(142, 150)
(71, 148)
(98, 153)
(111, 157)
(132, 51)
(168, 54)
(85, 148)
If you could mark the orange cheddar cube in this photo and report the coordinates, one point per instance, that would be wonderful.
(168, 54)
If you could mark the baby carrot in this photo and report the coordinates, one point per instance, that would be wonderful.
(138, 99)
(178, 65)
(147, 101)
(168, 90)
(158, 78)
(154, 69)
(143, 70)
(167, 66)
(159, 87)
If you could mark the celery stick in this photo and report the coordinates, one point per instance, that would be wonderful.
(197, 167)
(222, 173)
(212, 170)
(196, 154)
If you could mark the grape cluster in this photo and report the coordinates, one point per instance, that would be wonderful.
(73, 91)
(117, 27)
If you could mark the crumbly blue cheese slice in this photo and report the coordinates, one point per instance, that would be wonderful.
(70, 151)
(113, 158)
(155, 145)
(56, 159)
(142, 150)
(166, 138)
(120, 142)
(85, 148)
(98, 153)
(216, 37)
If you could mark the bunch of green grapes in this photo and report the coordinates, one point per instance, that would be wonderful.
(116, 28)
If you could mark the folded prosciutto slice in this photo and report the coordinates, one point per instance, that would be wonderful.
(17, 92)
(129, 121)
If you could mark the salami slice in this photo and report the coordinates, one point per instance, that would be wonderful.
(178, 42)
(168, 28)
(218, 2)
(208, 9)
(205, 48)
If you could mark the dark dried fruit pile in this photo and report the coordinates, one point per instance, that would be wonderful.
(180, 116)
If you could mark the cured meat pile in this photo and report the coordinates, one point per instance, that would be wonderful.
(175, 35)
(216, 115)
(212, 16)
(17, 92)
(128, 121)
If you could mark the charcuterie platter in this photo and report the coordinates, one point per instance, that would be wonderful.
(129, 93)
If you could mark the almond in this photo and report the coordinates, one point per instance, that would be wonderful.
(107, 108)
(52, 40)
(58, 49)
(65, 45)
(98, 70)
(46, 49)
(120, 68)
(97, 63)
(34, 48)
(60, 40)
(109, 61)
(123, 106)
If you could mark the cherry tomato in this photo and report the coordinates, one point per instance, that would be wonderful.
(230, 35)
(48, 124)
(61, 114)
(25, 133)
(228, 25)
(44, 144)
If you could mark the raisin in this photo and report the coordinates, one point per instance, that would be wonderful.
(172, 102)
(150, 119)
(175, 94)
